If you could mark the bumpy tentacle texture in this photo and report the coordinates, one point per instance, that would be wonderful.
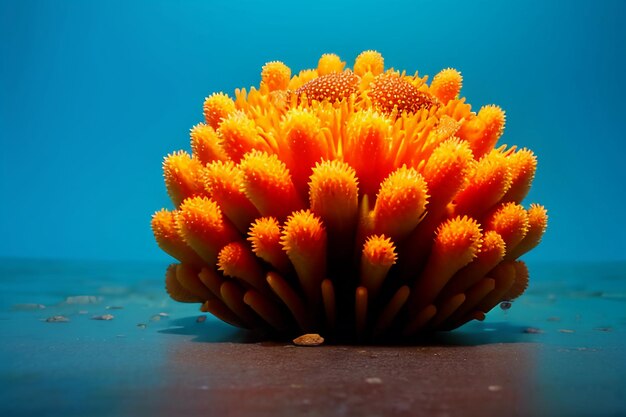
(358, 203)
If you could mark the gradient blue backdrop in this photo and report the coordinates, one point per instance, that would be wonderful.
(94, 94)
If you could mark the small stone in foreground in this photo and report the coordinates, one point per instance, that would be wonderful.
(310, 339)
(83, 299)
(603, 329)
(533, 330)
(57, 319)
(103, 317)
(201, 319)
(374, 380)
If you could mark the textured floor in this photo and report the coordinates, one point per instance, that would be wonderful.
(559, 350)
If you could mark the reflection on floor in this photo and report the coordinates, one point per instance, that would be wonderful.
(95, 339)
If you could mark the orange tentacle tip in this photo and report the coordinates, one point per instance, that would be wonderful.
(458, 240)
(447, 84)
(379, 250)
(329, 63)
(357, 199)
(302, 231)
(400, 202)
(275, 75)
(217, 107)
(369, 61)
(182, 175)
(206, 144)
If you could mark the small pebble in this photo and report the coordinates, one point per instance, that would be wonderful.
(505, 305)
(142, 325)
(310, 339)
(374, 380)
(57, 319)
(114, 307)
(586, 349)
(156, 317)
(603, 329)
(201, 319)
(533, 330)
(83, 299)
(566, 331)
(104, 317)
(164, 315)
(494, 388)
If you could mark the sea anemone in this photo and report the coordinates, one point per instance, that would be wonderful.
(358, 204)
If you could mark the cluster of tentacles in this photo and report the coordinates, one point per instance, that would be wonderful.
(359, 203)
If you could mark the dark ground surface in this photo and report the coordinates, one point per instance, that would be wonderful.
(560, 350)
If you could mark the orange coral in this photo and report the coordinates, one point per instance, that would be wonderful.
(356, 203)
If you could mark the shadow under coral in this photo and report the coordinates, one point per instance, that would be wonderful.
(473, 334)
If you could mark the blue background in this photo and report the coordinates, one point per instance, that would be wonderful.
(94, 94)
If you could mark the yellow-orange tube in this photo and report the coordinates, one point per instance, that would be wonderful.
(400, 203)
(216, 108)
(268, 185)
(537, 224)
(304, 241)
(182, 175)
(264, 236)
(457, 243)
(176, 290)
(203, 228)
(378, 256)
(166, 234)
(225, 184)
(491, 252)
(334, 197)
(206, 145)
(236, 260)
(510, 221)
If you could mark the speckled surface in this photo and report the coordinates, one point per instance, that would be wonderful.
(558, 351)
